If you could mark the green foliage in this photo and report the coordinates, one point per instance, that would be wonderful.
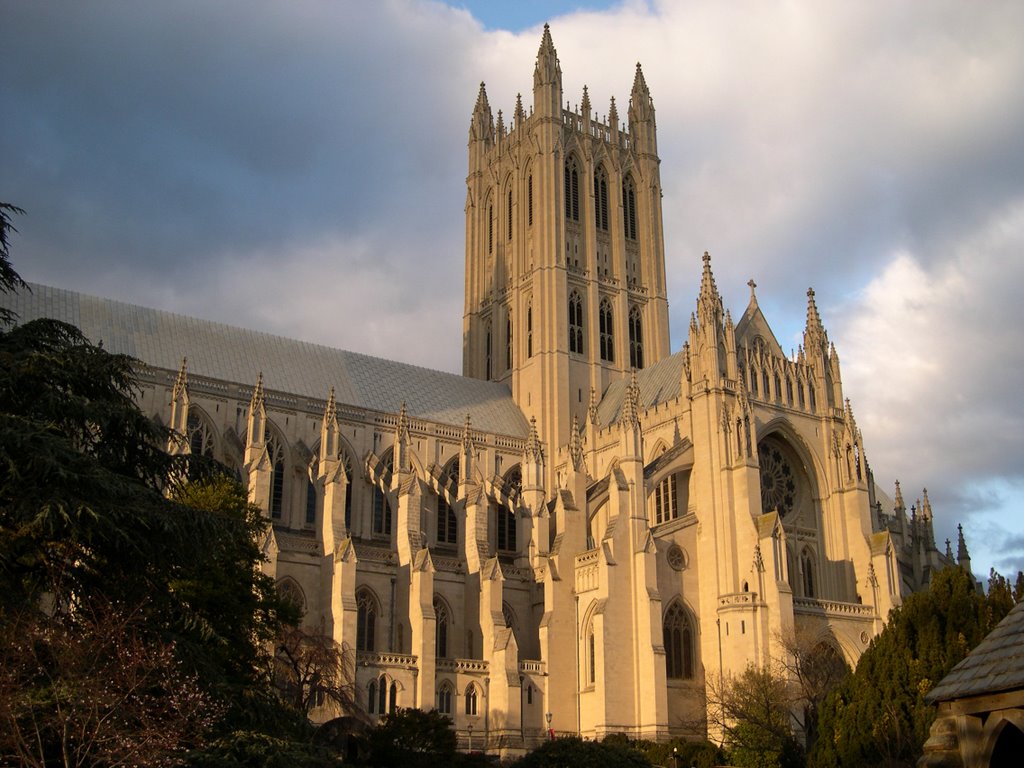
(412, 738)
(255, 749)
(576, 753)
(878, 715)
(681, 753)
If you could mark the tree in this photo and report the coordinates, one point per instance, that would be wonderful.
(878, 716)
(754, 712)
(413, 738)
(570, 752)
(816, 668)
(311, 671)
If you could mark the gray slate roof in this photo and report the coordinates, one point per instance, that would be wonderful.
(658, 383)
(997, 664)
(161, 339)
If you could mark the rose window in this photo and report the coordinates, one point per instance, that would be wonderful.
(778, 481)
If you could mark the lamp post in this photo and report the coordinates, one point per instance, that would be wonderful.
(675, 757)
(551, 734)
(470, 737)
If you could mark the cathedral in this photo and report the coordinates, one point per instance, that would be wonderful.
(583, 528)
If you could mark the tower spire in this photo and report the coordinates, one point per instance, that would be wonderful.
(547, 76)
(709, 302)
(481, 126)
(815, 337)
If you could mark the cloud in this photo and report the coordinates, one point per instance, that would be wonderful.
(301, 171)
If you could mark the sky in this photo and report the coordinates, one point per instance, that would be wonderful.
(300, 169)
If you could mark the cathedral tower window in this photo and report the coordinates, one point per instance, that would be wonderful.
(506, 529)
(628, 209)
(348, 493)
(807, 573)
(447, 524)
(310, 502)
(529, 200)
(508, 234)
(606, 331)
(393, 699)
(636, 339)
(591, 653)
(471, 699)
(275, 453)
(678, 638)
(665, 500)
(367, 611)
(441, 628)
(575, 323)
(572, 190)
(508, 341)
(601, 199)
(487, 353)
(529, 330)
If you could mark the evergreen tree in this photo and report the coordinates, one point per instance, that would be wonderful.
(878, 716)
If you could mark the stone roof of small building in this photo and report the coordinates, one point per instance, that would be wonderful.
(997, 664)
(161, 339)
(658, 383)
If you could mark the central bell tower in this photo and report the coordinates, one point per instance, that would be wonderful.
(565, 257)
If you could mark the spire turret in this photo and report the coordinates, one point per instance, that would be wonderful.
(898, 504)
(330, 431)
(519, 116)
(613, 117)
(179, 407)
(815, 337)
(709, 302)
(547, 78)
(641, 115)
(501, 125)
(481, 126)
(585, 105)
(533, 450)
(576, 446)
(963, 557)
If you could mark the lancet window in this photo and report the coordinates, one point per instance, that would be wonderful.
(367, 611)
(607, 338)
(381, 505)
(275, 453)
(678, 638)
(444, 698)
(628, 208)
(601, 199)
(470, 699)
(508, 234)
(442, 627)
(636, 338)
(200, 435)
(575, 323)
(665, 500)
(447, 523)
(529, 200)
(572, 190)
(529, 330)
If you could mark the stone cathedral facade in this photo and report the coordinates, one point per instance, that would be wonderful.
(586, 525)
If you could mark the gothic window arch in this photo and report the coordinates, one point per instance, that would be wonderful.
(505, 535)
(789, 390)
(590, 652)
(508, 222)
(529, 329)
(291, 592)
(393, 698)
(529, 200)
(636, 338)
(575, 323)
(447, 522)
(601, 199)
(666, 497)
(490, 228)
(679, 643)
(778, 388)
(488, 344)
(808, 573)
(605, 326)
(572, 190)
(779, 481)
(348, 490)
(513, 483)
(367, 611)
(470, 696)
(509, 616)
(444, 698)
(199, 432)
(381, 504)
(508, 341)
(442, 627)
(311, 492)
(275, 455)
(629, 208)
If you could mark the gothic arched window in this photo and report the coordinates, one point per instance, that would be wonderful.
(601, 199)
(572, 190)
(200, 434)
(490, 228)
(367, 611)
(441, 627)
(607, 336)
(678, 638)
(447, 523)
(508, 235)
(381, 505)
(529, 200)
(575, 323)
(348, 492)
(807, 573)
(471, 699)
(591, 653)
(636, 339)
(444, 698)
(508, 341)
(275, 452)
(310, 501)
(487, 352)
(529, 330)
(505, 538)
(628, 208)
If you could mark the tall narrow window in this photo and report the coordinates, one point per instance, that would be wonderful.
(807, 568)
(382, 694)
(606, 329)
(371, 704)
(393, 700)
(591, 655)
(310, 502)
(601, 199)
(381, 505)
(275, 452)
(665, 508)
(628, 209)
(200, 435)
(572, 190)
(366, 620)
(678, 639)
(348, 494)
(508, 234)
(529, 330)
(447, 525)
(471, 699)
(575, 323)
(487, 353)
(490, 228)
(636, 339)
(506, 529)
(529, 200)
(444, 698)
(441, 626)
(508, 342)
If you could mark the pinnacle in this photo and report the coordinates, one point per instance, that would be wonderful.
(813, 318)
(639, 83)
